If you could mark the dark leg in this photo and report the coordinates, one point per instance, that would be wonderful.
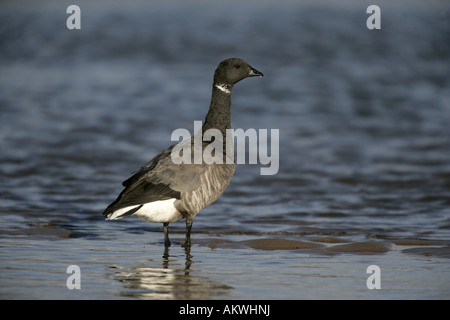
(187, 242)
(166, 234)
(166, 257)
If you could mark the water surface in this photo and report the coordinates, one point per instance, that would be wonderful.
(364, 174)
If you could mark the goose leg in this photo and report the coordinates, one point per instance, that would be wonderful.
(166, 234)
(187, 241)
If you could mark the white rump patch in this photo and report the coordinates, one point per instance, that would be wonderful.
(157, 211)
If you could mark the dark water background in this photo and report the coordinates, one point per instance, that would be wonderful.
(364, 120)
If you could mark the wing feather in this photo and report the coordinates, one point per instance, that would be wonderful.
(159, 179)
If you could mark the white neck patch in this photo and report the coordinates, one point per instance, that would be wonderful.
(223, 88)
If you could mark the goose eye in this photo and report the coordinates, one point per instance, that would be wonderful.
(237, 66)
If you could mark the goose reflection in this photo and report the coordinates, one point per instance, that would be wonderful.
(166, 282)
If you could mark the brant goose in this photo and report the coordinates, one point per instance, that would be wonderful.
(164, 191)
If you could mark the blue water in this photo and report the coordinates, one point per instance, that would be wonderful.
(364, 173)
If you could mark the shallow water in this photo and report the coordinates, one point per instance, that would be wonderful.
(364, 174)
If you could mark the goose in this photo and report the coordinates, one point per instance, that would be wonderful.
(162, 191)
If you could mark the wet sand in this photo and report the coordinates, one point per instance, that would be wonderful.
(308, 244)
(133, 264)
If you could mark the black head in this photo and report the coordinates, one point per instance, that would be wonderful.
(233, 70)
